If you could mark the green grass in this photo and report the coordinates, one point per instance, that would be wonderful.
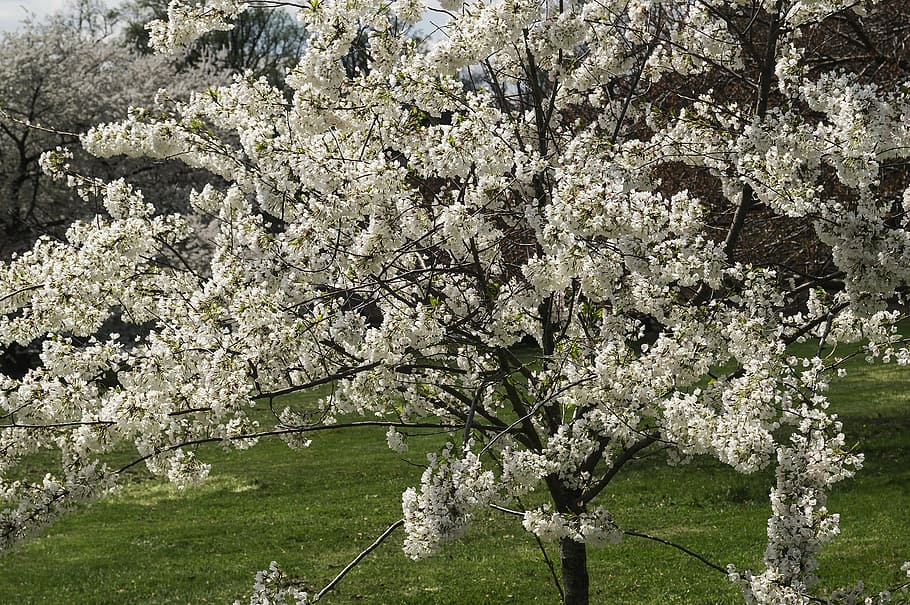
(314, 510)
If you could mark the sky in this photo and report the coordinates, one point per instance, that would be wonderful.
(12, 12)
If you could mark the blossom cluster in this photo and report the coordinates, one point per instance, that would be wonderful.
(271, 588)
(588, 528)
(187, 22)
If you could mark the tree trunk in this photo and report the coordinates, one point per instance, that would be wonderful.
(574, 560)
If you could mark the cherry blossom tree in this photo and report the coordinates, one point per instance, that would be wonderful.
(539, 235)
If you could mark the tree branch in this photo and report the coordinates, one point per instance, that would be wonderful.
(626, 456)
(678, 547)
(299, 430)
(359, 558)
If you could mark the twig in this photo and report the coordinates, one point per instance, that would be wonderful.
(678, 547)
(509, 511)
(59, 425)
(359, 558)
(540, 545)
(21, 291)
(294, 431)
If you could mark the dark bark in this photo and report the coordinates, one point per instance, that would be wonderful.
(766, 79)
(574, 559)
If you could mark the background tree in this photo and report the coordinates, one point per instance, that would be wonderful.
(399, 236)
(59, 78)
(263, 41)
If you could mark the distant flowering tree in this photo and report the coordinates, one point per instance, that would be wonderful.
(557, 263)
(59, 77)
(263, 41)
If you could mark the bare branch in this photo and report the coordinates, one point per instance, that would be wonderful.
(359, 558)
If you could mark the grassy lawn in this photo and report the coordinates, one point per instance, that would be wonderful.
(314, 510)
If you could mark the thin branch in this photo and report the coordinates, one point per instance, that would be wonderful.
(299, 430)
(342, 373)
(35, 126)
(359, 558)
(540, 545)
(22, 290)
(552, 568)
(678, 547)
(59, 425)
(620, 461)
(806, 329)
(509, 511)
(469, 421)
(746, 201)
